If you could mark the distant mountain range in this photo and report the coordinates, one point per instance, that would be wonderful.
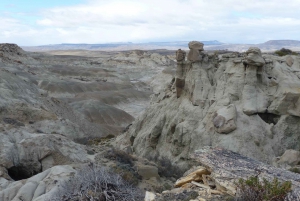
(209, 45)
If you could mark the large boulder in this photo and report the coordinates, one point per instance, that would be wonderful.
(195, 49)
(225, 119)
(254, 57)
(290, 157)
(196, 45)
(289, 61)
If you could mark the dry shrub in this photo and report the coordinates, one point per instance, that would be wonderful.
(96, 183)
(166, 168)
(125, 165)
(183, 196)
(120, 156)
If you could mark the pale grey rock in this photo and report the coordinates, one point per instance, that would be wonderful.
(289, 61)
(31, 151)
(26, 192)
(40, 190)
(38, 187)
(254, 57)
(290, 157)
(47, 162)
(225, 120)
(254, 100)
(149, 196)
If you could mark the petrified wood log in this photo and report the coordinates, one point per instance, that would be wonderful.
(227, 167)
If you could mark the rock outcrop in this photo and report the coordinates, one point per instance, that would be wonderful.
(219, 174)
(251, 97)
(38, 187)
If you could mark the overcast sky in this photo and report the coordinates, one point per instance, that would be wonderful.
(38, 22)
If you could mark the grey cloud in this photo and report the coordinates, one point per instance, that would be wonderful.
(150, 20)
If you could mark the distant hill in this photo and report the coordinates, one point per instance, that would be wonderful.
(271, 45)
(118, 46)
(282, 42)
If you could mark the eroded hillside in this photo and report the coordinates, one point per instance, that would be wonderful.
(244, 102)
(51, 105)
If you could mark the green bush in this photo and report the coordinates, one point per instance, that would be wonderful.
(283, 52)
(254, 190)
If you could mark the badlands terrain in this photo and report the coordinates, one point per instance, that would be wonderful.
(195, 120)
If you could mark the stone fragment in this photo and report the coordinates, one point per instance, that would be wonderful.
(200, 185)
(180, 55)
(289, 61)
(194, 176)
(208, 181)
(287, 103)
(150, 196)
(290, 157)
(225, 119)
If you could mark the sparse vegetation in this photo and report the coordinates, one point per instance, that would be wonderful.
(128, 173)
(98, 184)
(295, 170)
(125, 165)
(120, 156)
(254, 190)
(183, 196)
(284, 51)
(166, 168)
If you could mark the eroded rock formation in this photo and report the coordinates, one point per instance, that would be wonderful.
(251, 97)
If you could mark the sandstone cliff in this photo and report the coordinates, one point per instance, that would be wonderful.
(244, 102)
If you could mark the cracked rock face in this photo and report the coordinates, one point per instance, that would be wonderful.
(252, 97)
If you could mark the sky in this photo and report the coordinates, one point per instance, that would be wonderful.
(42, 22)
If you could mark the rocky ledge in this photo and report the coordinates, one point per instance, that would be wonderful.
(217, 175)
